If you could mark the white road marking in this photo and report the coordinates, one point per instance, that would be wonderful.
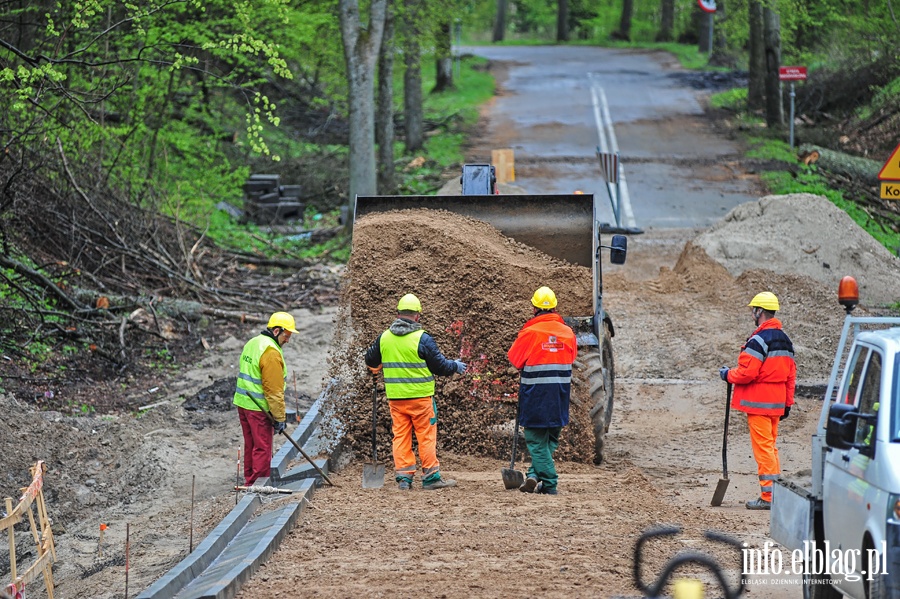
(605, 130)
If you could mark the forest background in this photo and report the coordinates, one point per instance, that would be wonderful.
(129, 130)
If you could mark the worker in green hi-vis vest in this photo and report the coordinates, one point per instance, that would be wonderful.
(260, 386)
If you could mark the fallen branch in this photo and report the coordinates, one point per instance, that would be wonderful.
(859, 169)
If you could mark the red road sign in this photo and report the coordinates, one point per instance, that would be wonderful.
(707, 5)
(792, 73)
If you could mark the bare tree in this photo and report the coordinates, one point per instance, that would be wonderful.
(361, 46)
(774, 107)
(500, 21)
(562, 21)
(667, 21)
(756, 86)
(624, 30)
(413, 112)
(384, 117)
(443, 57)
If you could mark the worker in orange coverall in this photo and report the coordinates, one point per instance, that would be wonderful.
(543, 353)
(409, 358)
(764, 382)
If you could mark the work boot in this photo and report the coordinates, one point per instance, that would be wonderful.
(545, 490)
(441, 483)
(529, 485)
(759, 504)
(404, 484)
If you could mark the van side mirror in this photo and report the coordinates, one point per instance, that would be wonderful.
(618, 249)
(843, 421)
(841, 428)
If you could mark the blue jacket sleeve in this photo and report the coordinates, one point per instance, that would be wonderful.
(437, 363)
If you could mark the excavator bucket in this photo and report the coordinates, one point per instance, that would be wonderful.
(562, 226)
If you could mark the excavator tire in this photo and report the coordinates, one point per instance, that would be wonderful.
(596, 368)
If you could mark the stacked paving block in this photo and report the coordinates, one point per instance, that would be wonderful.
(268, 202)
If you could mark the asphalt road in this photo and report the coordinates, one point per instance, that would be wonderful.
(677, 171)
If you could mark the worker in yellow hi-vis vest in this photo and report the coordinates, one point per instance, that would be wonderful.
(260, 389)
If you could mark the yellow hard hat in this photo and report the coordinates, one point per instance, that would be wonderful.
(765, 300)
(409, 303)
(544, 299)
(283, 320)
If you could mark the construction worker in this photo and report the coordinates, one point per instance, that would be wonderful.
(410, 358)
(260, 386)
(543, 353)
(764, 382)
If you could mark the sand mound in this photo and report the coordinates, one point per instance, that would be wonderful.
(464, 271)
(804, 234)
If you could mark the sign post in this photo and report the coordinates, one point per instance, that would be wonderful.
(792, 74)
(709, 6)
(889, 175)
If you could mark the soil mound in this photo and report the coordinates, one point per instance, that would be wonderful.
(804, 234)
(475, 285)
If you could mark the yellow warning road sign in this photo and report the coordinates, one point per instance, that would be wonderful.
(890, 190)
(891, 169)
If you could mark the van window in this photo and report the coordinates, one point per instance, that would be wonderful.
(855, 366)
(869, 398)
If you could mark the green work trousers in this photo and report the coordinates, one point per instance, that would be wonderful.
(542, 443)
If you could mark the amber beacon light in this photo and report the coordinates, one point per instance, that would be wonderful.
(848, 293)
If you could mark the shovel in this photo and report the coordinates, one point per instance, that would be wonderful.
(512, 478)
(722, 486)
(373, 474)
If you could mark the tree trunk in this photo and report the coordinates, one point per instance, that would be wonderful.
(361, 45)
(704, 34)
(667, 21)
(500, 21)
(384, 119)
(562, 21)
(720, 46)
(756, 95)
(624, 31)
(774, 107)
(443, 57)
(413, 112)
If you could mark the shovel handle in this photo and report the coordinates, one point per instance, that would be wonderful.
(374, 419)
(512, 462)
(725, 433)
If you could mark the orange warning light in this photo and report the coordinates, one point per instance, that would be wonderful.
(848, 293)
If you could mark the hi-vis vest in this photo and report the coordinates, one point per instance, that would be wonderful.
(406, 375)
(249, 381)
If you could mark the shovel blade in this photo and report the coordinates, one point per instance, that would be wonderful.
(373, 476)
(512, 479)
(719, 494)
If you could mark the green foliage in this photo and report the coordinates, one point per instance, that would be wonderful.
(770, 149)
(733, 99)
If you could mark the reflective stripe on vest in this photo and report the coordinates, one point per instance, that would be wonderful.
(544, 374)
(406, 375)
(249, 381)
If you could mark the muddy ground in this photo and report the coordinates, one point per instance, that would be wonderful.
(679, 315)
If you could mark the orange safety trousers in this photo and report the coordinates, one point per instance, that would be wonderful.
(763, 434)
(419, 416)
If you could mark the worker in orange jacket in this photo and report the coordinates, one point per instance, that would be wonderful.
(543, 353)
(764, 382)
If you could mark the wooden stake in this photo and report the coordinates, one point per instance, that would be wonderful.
(191, 542)
(296, 400)
(127, 547)
(100, 541)
(12, 542)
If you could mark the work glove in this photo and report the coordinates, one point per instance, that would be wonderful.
(460, 366)
(787, 412)
(279, 426)
(723, 373)
(374, 370)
